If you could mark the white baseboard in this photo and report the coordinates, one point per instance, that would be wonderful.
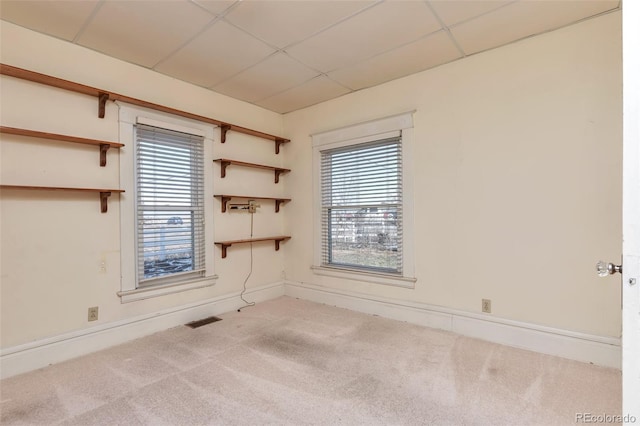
(41, 353)
(604, 351)
(598, 350)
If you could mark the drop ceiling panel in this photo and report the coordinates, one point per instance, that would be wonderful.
(522, 19)
(376, 30)
(143, 32)
(418, 56)
(273, 75)
(215, 6)
(453, 12)
(59, 19)
(215, 55)
(270, 52)
(281, 23)
(312, 92)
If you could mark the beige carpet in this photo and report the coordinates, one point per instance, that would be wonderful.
(290, 361)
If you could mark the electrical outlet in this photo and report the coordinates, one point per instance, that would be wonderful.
(486, 306)
(93, 313)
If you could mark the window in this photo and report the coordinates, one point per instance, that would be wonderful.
(364, 202)
(166, 211)
(169, 205)
(362, 206)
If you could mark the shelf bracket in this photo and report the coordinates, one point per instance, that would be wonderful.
(226, 244)
(224, 249)
(224, 128)
(277, 173)
(279, 141)
(224, 201)
(103, 154)
(278, 202)
(103, 201)
(223, 168)
(102, 101)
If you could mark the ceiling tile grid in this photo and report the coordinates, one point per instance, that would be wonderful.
(378, 29)
(134, 32)
(314, 91)
(287, 55)
(424, 53)
(277, 73)
(283, 23)
(216, 54)
(62, 20)
(518, 20)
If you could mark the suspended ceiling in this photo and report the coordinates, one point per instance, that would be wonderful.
(287, 55)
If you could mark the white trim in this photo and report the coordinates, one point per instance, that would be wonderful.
(372, 127)
(400, 124)
(600, 350)
(155, 291)
(356, 141)
(171, 126)
(370, 277)
(41, 353)
(408, 256)
(630, 217)
(604, 351)
(129, 115)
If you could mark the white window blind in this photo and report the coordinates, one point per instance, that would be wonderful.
(361, 187)
(169, 205)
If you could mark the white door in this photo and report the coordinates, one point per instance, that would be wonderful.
(631, 213)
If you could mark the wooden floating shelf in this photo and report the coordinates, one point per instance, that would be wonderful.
(224, 128)
(225, 162)
(226, 198)
(103, 145)
(226, 244)
(104, 95)
(104, 193)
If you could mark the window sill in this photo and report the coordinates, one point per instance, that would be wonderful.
(370, 277)
(156, 291)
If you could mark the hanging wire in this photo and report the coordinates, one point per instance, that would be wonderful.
(244, 285)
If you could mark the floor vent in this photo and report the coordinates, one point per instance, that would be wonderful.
(204, 321)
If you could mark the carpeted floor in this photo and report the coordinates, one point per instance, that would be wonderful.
(295, 362)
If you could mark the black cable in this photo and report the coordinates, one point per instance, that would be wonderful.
(244, 285)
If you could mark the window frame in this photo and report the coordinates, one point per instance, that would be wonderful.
(345, 208)
(129, 117)
(146, 139)
(355, 135)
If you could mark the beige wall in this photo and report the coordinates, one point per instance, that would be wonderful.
(517, 184)
(53, 244)
(517, 160)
